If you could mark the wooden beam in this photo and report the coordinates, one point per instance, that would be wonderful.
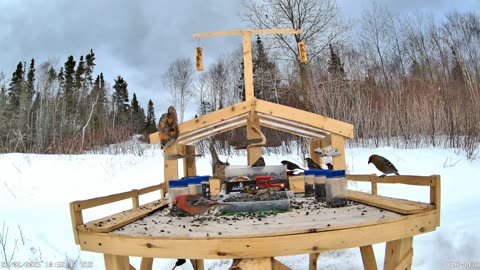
(241, 32)
(189, 168)
(399, 254)
(396, 179)
(116, 262)
(298, 132)
(213, 130)
(393, 204)
(214, 118)
(305, 118)
(368, 258)
(85, 204)
(146, 264)
(338, 142)
(313, 261)
(247, 65)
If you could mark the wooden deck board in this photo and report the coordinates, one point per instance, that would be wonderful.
(393, 204)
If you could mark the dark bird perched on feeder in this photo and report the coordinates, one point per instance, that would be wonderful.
(312, 165)
(259, 163)
(179, 262)
(383, 165)
(290, 165)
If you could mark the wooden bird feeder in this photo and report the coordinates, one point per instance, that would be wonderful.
(254, 247)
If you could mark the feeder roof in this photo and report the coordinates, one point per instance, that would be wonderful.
(271, 115)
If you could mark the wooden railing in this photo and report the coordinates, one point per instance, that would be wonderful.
(108, 223)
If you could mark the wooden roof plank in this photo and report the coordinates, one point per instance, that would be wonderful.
(215, 117)
(306, 118)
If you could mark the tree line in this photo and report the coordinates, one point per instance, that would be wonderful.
(406, 80)
(69, 110)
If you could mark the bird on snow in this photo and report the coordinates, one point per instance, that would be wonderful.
(383, 165)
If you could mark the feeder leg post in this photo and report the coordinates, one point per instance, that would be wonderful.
(189, 168)
(368, 258)
(197, 264)
(170, 169)
(338, 142)
(146, 264)
(116, 262)
(313, 261)
(399, 254)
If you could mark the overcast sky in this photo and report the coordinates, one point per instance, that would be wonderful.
(139, 39)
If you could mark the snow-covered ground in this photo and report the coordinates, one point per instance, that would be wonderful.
(35, 191)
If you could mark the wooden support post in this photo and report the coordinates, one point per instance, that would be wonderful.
(399, 254)
(253, 153)
(252, 264)
(189, 168)
(338, 142)
(313, 259)
(276, 265)
(248, 65)
(77, 219)
(197, 264)
(435, 195)
(146, 264)
(135, 199)
(315, 144)
(368, 258)
(170, 169)
(115, 262)
(374, 185)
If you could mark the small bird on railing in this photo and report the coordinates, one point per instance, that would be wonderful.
(312, 165)
(195, 204)
(259, 163)
(383, 165)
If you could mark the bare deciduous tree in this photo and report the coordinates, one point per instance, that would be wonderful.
(178, 79)
(319, 20)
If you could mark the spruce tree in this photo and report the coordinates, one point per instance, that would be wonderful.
(68, 87)
(335, 65)
(90, 64)
(15, 87)
(150, 125)
(120, 100)
(79, 80)
(30, 87)
(138, 116)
